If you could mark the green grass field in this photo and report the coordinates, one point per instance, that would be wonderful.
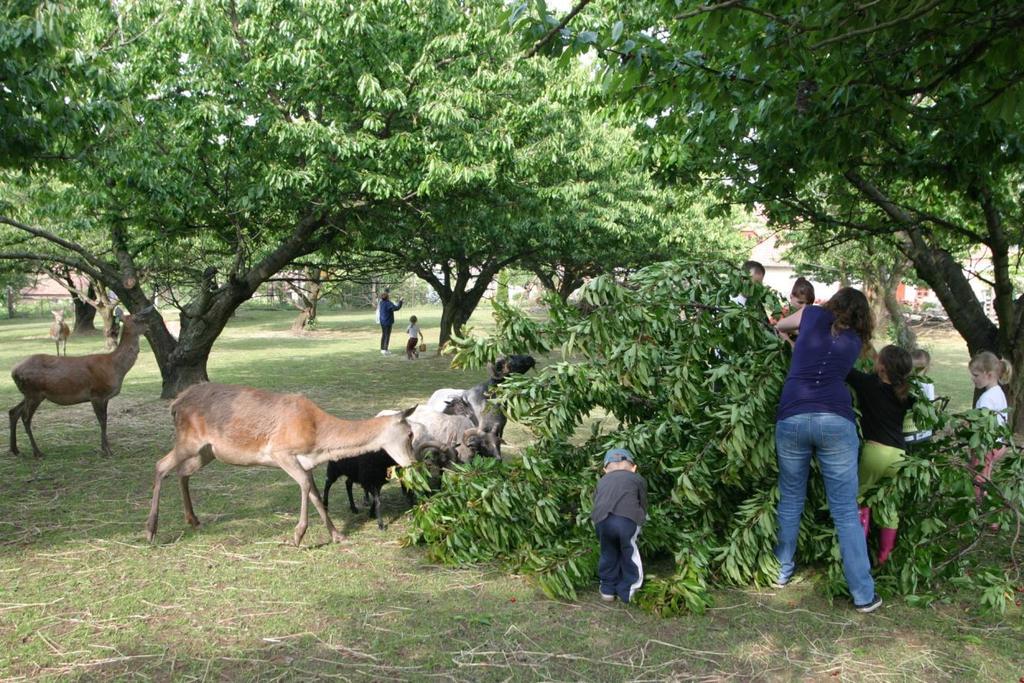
(83, 596)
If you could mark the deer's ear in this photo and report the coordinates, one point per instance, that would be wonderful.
(410, 411)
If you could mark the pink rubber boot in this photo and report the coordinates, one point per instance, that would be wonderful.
(886, 542)
(865, 520)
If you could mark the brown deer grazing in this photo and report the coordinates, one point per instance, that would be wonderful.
(75, 379)
(59, 331)
(245, 426)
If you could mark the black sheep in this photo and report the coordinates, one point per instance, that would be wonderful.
(370, 470)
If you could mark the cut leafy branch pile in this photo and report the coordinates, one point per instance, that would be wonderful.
(669, 367)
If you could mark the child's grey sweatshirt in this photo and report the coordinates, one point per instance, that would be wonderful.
(623, 493)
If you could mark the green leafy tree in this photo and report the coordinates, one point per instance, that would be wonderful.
(612, 214)
(53, 78)
(571, 199)
(249, 136)
(877, 119)
(690, 382)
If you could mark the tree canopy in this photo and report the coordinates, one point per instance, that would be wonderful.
(243, 137)
(858, 122)
(53, 61)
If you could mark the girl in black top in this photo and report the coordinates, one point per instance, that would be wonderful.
(884, 399)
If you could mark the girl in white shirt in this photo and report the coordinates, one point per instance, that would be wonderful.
(415, 337)
(987, 372)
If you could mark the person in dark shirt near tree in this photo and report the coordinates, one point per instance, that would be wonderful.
(620, 509)
(386, 319)
(815, 419)
(884, 399)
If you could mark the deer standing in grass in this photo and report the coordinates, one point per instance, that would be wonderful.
(245, 426)
(69, 380)
(59, 331)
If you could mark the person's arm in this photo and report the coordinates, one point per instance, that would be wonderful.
(422, 338)
(398, 306)
(859, 380)
(643, 495)
(791, 323)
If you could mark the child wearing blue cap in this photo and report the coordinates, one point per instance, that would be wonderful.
(620, 508)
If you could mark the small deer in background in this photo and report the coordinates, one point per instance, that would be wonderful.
(59, 331)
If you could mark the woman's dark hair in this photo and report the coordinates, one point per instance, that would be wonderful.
(851, 311)
(803, 291)
(898, 364)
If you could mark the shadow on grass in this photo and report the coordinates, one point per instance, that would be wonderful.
(52, 501)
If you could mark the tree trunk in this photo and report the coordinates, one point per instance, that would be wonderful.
(459, 300)
(182, 362)
(876, 300)
(85, 313)
(568, 285)
(563, 283)
(181, 377)
(110, 326)
(1015, 399)
(10, 302)
(454, 316)
(306, 315)
(905, 336)
(309, 292)
(946, 277)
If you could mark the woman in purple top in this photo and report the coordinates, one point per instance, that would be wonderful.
(815, 417)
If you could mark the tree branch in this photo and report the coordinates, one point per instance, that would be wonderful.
(48, 258)
(909, 16)
(738, 4)
(546, 38)
(50, 237)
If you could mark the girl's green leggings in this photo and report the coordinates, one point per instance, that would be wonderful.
(877, 463)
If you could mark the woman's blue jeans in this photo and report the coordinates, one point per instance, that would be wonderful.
(833, 439)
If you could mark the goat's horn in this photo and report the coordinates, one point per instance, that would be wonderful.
(466, 435)
(429, 445)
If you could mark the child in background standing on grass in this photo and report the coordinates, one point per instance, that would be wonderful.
(415, 335)
(922, 362)
(884, 399)
(620, 508)
(987, 372)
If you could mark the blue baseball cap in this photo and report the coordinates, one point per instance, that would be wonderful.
(617, 455)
